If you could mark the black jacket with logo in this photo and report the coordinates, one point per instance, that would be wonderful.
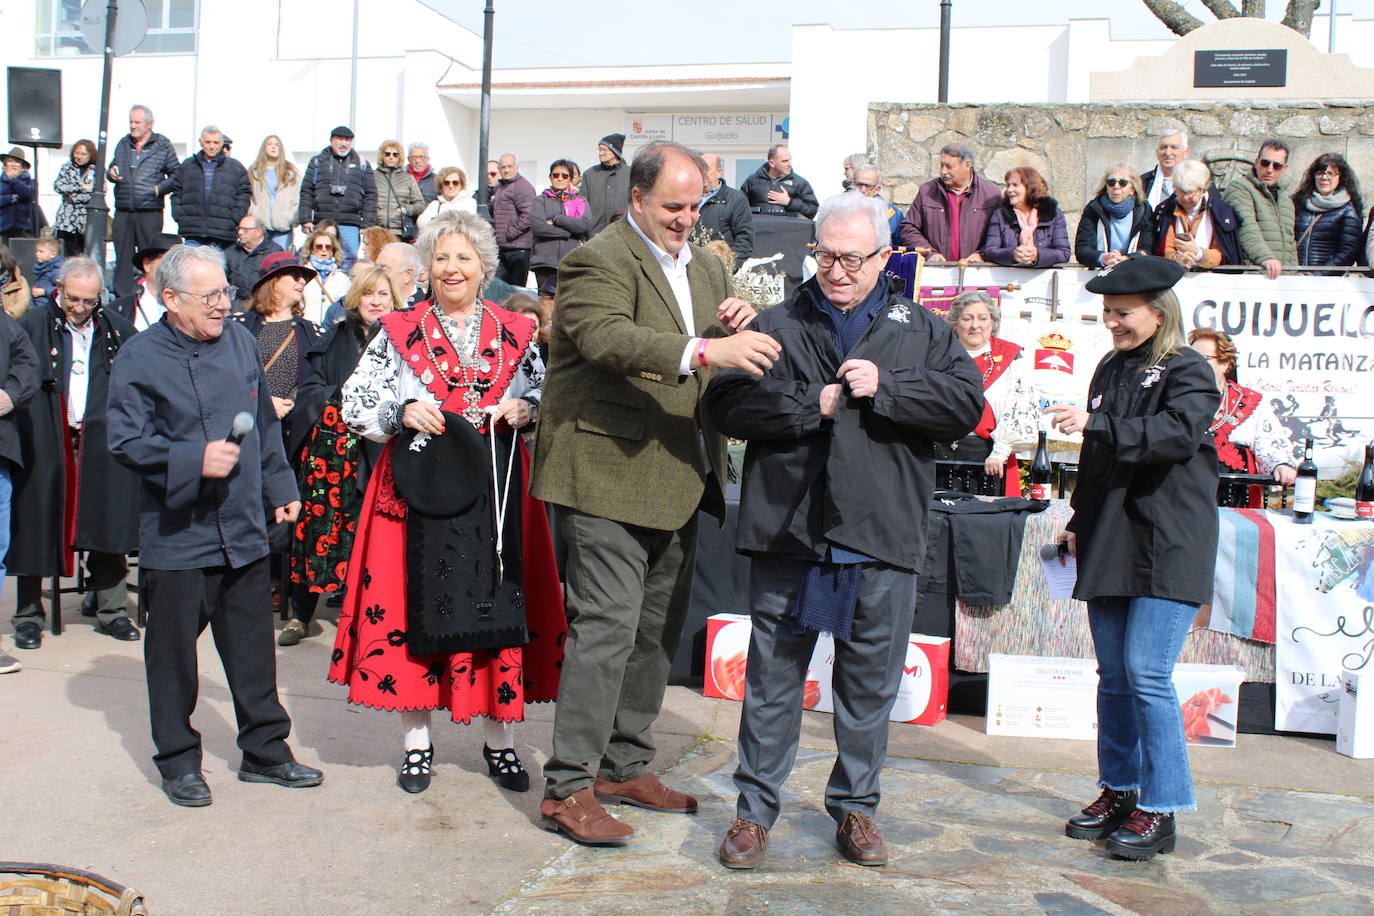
(757, 186)
(863, 480)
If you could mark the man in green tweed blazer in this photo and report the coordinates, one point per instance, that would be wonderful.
(628, 456)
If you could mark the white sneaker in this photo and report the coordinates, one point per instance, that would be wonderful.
(8, 663)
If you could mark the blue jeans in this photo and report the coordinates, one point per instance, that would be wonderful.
(6, 491)
(349, 237)
(1140, 742)
(283, 240)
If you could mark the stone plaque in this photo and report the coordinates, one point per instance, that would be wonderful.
(1266, 67)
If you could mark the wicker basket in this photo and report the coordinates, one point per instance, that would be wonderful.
(30, 889)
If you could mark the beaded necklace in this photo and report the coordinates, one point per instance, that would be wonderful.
(470, 363)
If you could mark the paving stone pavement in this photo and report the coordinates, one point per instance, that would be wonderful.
(970, 839)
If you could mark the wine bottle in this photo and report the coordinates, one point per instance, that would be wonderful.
(1040, 471)
(1364, 486)
(1305, 488)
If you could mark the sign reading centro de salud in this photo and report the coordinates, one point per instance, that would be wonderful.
(1266, 67)
(707, 129)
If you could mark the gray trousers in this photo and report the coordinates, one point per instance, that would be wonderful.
(868, 670)
(106, 572)
(628, 591)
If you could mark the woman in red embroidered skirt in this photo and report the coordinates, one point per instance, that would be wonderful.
(453, 599)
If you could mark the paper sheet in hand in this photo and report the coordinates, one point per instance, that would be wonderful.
(1061, 579)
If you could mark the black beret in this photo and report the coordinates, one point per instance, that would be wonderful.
(443, 476)
(1137, 275)
(342, 131)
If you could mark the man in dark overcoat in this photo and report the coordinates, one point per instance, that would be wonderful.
(71, 495)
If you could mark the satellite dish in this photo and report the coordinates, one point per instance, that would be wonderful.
(131, 25)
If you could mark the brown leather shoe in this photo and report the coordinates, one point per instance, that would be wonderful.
(647, 792)
(744, 844)
(860, 840)
(581, 817)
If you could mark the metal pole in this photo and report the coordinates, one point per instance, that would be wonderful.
(96, 211)
(484, 130)
(353, 75)
(1331, 29)
(945, 11)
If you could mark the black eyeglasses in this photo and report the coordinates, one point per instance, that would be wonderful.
(1118, 182)
(1271, 164)
(852, 263)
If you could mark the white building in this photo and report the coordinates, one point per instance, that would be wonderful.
(255, 67)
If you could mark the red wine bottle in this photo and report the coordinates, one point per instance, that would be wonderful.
(1040, 471)
(1364, 486)
(1305, 488)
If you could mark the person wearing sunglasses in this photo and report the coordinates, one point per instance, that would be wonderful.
(1195, 226)
(1328, 217)
(453, 195)
(1266, 213)
(560, 221)
(1116, 222)
(323, 253)
(399, 199)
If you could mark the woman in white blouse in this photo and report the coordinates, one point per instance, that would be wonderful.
(453, 195)
(451, 604)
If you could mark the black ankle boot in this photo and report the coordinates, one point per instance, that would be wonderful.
(1146, 833)
(1109, 812)
(415, 770)
(505, 766)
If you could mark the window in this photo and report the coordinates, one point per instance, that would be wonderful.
(172, 26)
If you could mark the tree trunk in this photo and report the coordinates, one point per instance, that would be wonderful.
(1222, 9)
(1299, 16)
(1180, 21)
(1252, 8)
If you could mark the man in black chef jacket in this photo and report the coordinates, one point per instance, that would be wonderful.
(175, 391)
(837, 483)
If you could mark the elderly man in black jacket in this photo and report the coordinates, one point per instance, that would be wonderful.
(175, 395)
(211, 193)
(243, 259)
(338, 183)
(64, 427)
(837, 482)
(142, 170)
(18, 382)
(725, 213)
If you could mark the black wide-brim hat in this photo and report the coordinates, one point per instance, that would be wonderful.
(160, 245)
(442, 475)
(1136, 276)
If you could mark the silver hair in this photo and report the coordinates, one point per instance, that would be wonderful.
(852, 204)
(412, 257)
(80, 266)
(868, 167)
(176, 265)
(854, 160)
(470, 226)
(147, 112)
(210, 129)
(418, 144)
(1191, 175)
(974, 297)
(958, 150)
(1176, 132)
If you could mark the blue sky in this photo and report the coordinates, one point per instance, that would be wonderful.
(569, 33)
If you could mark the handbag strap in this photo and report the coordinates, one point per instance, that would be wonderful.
(267, 367)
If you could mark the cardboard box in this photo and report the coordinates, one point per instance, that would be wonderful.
(1044, 697)
(1355, 720)
(922, 697)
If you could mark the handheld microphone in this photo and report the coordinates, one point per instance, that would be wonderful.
(243, 425)
(1054, 551)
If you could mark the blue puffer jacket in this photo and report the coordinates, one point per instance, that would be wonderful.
(16, 203)
(1331, 238)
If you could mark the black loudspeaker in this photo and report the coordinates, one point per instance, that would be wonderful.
(35, 100)
(25, 254)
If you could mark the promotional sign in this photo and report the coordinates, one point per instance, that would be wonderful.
(1033, 696)
(1355, 722)
(1325, 618)
(1303, 342)
(922, 696)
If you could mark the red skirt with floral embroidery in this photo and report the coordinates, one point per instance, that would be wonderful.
(370, 655)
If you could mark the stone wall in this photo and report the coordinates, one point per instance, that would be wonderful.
(1073, 145)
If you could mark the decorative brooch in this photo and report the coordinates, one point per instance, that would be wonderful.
(1152, 375)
